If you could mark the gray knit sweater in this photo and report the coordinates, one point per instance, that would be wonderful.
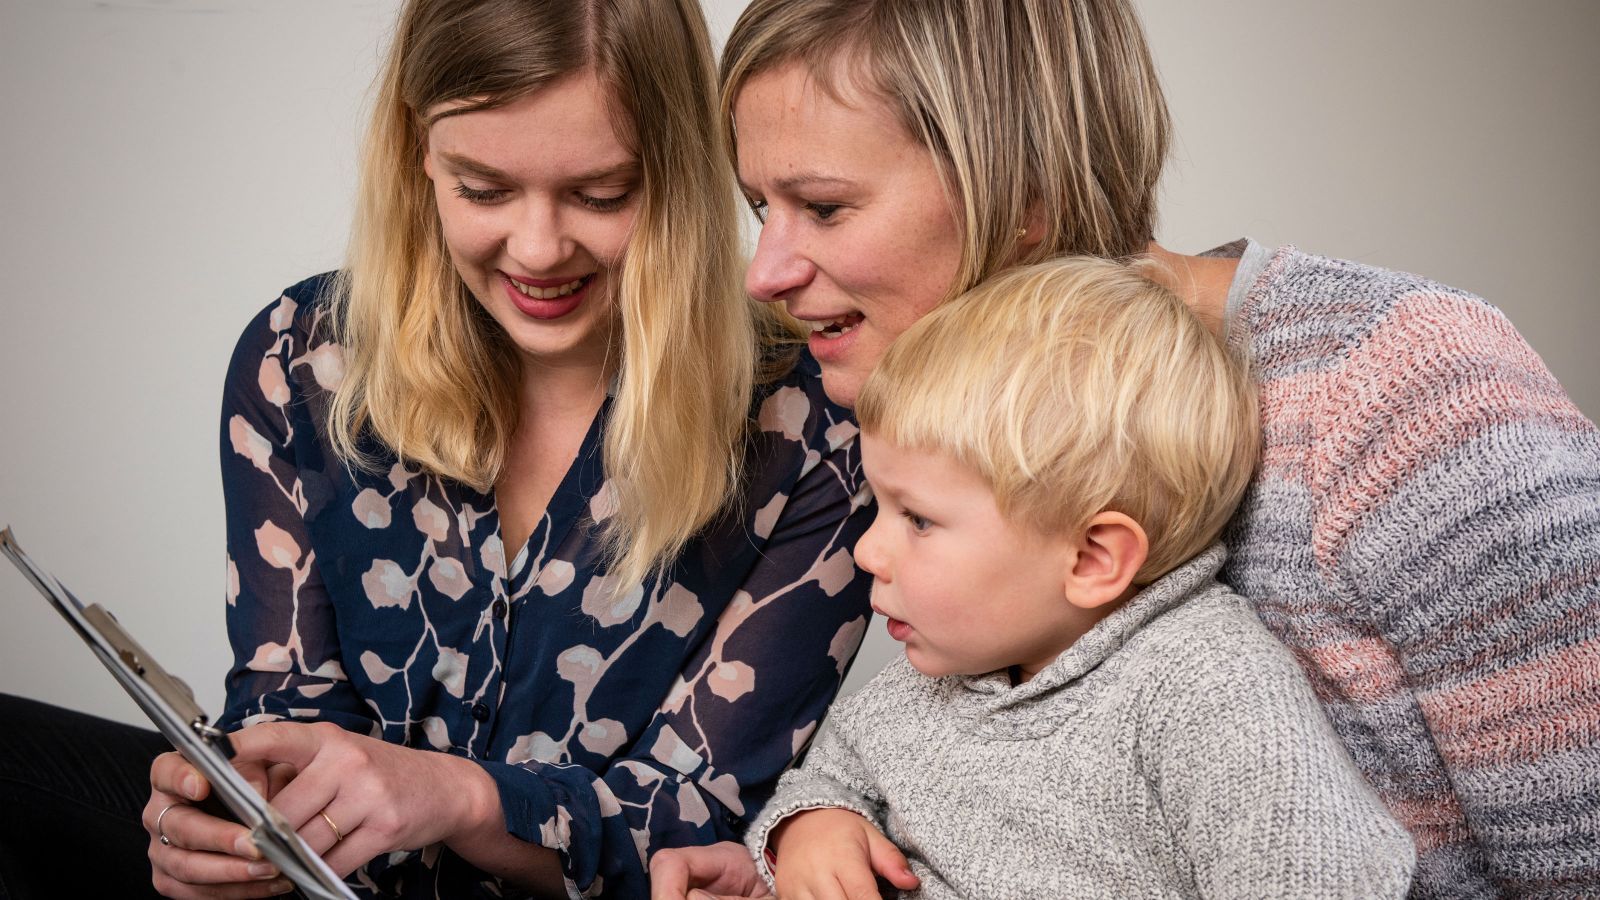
(1176, 750)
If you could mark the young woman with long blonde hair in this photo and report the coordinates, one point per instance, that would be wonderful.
(539, 531)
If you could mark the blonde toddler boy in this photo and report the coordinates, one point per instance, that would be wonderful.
(1082, 710)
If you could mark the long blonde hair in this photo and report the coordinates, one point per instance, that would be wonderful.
(436, 380)
(1072, 387)
(1040, 114)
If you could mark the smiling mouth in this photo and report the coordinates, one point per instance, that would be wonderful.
(549, 293)
(832, 328)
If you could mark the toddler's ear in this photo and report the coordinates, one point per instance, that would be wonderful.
(1109, 553)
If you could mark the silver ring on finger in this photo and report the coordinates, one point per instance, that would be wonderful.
(162, 835)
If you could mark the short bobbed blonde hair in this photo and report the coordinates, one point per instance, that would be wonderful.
(437, 381)
(1039, 114)
(1073, 387)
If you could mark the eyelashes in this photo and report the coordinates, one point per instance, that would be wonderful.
(822, 212)
(605, 204)
(491, 196)
(474, 195)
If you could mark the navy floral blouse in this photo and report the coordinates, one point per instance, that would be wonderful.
(614, 724)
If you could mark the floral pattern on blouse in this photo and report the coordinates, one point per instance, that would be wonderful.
(614, 723)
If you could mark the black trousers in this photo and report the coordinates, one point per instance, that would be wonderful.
(72, 787)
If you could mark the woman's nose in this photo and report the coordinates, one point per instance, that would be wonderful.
(538, 241)
(778, 266)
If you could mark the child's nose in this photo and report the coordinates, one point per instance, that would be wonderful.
(870, 555)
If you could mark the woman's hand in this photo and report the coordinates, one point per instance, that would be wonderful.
(354, 797)
(835, 854)
(204, 856)
(721, 871)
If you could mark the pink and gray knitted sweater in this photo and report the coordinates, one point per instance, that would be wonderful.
(1424, 535)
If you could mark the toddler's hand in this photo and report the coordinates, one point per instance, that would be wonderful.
(834, 854)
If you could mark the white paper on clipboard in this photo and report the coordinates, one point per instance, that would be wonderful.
(170, 705)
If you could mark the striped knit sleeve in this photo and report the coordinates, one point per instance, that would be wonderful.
(1460, 510)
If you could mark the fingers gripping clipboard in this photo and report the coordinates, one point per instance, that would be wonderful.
(171, 706)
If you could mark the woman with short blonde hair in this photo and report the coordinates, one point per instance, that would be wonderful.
(1427, 489)
(1074, 125)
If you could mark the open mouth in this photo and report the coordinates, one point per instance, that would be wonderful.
(832, 328)
(551, 293)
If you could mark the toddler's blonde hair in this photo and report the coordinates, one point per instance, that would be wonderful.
(1073, 387)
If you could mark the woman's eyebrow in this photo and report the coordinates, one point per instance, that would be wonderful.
(803, 179)
(629, 169)
(468, 164)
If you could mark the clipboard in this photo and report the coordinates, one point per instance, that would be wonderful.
(171, 706)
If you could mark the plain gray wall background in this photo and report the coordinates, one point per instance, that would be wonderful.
(170, 165)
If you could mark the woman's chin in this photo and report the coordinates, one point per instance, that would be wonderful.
(841, 384)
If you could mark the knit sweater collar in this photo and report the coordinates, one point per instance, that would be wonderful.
(999, 711)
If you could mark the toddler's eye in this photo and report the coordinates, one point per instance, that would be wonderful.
(919, 524)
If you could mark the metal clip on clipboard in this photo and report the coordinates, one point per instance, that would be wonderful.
(170, 705)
